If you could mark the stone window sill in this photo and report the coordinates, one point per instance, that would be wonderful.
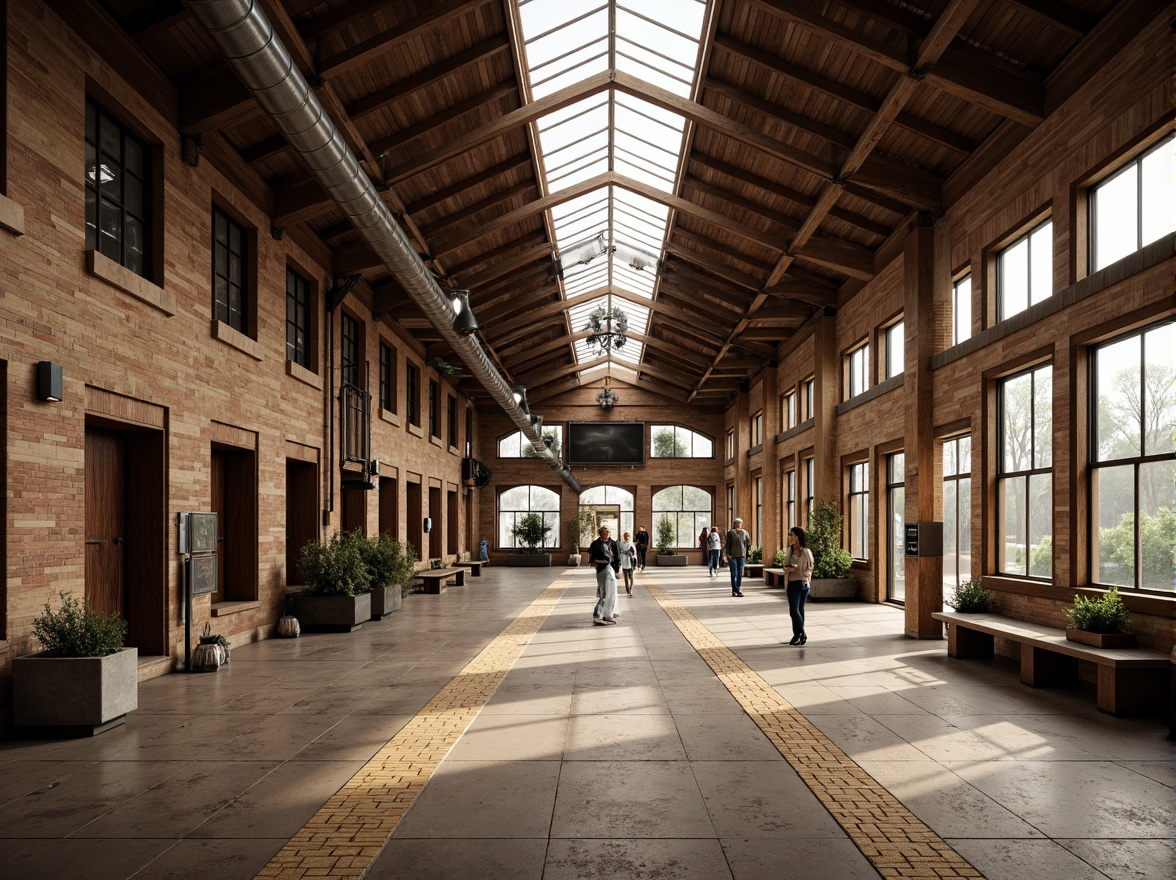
(236, 339)
(295, 370)
(128, 282)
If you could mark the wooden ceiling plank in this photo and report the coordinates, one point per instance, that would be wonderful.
(522, 257)
(856, 263)
(507, 249)
(779, 114)
(713, 267)
(299, 201)
(387, 40)
(432, 74)
(967, 77)
(835, 32)
(684, 235)
(502, 168)
(156, 19)
(1056, 15)
(400, 139)
(446, 223)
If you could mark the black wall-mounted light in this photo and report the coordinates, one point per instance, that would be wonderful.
(520, 397)
(49, 382)
(464, 321)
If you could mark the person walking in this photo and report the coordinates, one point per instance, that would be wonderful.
(641, 539)
(628, 551)
(714, 543)
(603, 554)
(704, 545)
(798, 566)
(735, 548)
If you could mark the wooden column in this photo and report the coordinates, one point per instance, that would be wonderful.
(770, 472)
(924, 574)
(826, 394)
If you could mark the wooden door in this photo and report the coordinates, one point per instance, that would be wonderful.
(219, 507)
(301, 514)
(105, 501)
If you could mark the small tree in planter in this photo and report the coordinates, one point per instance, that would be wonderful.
(530, 531)
(391, 567)
(84, 679)
(1100, 621)
(831, 564)
(663, 543)
(580, 530)
(337, 583)
(970, 597)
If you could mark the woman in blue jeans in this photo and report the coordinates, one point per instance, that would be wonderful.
(798, 565)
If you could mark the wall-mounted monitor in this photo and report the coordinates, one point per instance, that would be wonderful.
(606, 443)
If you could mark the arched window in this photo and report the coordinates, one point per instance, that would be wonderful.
(674, 441)
(612, 506)
(689, 510)
(517, 445)
(517, 502)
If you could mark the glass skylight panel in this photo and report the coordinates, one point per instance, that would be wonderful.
(660, 55)
(566, 42)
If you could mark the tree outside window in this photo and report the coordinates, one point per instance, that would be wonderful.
(859, 510)
(1025, 479)
(675, 441)
(518, 445)
(519, 501)
(957, 511)
(1133, 467)
(689, 508)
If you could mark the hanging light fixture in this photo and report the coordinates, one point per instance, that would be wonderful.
(464, 321)
(607, 328)
(607, 398)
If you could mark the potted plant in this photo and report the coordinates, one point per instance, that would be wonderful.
(390, 567)
(970, 597)
(212, 653)
(580, 529)
(337, 583)
(1100, 621)
(83, 680)
(663, 543)
(530, 531)
(831, 564)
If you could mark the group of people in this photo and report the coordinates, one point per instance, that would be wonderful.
(612, 557)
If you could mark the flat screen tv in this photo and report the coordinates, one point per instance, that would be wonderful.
(606, 443)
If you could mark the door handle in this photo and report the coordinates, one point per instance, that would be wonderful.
(119, 540)
(93, 540)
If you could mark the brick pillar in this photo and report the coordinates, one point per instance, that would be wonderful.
(826, 394)
(924, 574)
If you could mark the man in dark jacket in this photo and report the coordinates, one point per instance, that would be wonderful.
(604, 555)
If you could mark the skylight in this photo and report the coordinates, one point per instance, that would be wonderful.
(609, 239)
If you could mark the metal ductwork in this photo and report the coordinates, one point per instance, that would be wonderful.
(245, 37)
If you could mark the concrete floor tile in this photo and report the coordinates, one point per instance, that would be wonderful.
(502, 737)
(775, 858)
(189, 859)
(865, 738)
(468, 798)
(624, 737)
(723, 737)
(41, 859)
(750, 799)
(1025, 860)
(600, 696)
(460, 858)
(1127, 859)
(617, 857)
(607, 800)
(354, 738)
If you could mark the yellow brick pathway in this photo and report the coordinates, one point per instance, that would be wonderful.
(896, 842)
(345, 836)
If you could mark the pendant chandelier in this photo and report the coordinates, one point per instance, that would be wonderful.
(607, 328)
(607, 398)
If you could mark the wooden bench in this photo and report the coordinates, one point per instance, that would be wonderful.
(753, 570)
(435, 579)
(775, 577)
(474, 565)
(1131, 681)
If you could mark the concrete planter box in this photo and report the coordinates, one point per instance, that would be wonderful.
(529, 560)
(341, 613)
(86, 695)
(833, 588)
(1101, 640)
(672, 559)
(385, 600)
(574, 559)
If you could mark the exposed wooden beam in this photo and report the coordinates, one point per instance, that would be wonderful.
(522, 257)
(715, 268)
(430, 75)
(385, 41)
(1057, 15)
(504, 250)
(703, 244)
(447, 223)
(501, 169)
(399, 140)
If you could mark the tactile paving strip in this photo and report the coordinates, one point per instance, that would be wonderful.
(896, 842)
(347, 833)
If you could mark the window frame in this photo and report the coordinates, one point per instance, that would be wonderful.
(756, 428)
(690, 442)
(148, 190)
(788, 419)
(958, 295)
(857, 369)
(858, 509)
(810, 393)
(412, 394)
(451, 420)
(350, 356)
(685, 535)
(1033, 297)
(1039, 471)
(1135, 161)
(387, 376)
(298, 300)
(434, 409)
(550, 515)
(961, 511)
(888, 336)
(246, 323)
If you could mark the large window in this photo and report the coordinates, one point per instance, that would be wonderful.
(810, 385)
(1133, 206)
(1024, 479)
(387, 377)
(895, 349)
(788, 411)
(957, 511)
(689, 510)
(517, 445)
(412, 394)
(730, 445)
(612, 506)
(1133, 466)
(349, 350)
(757, 491)
(790, 519)
(857, 371)
(451, 420)
(895, 531)
(297, 319)
(674, 441)
(757, 429)
(810, 476)
(434, 414)
(230, 272)
(961, 310)
(859, 510)
(118, 192)
(1024, 272)
(515, 503)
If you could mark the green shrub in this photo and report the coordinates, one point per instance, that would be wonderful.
(824, 539)
(664, 543)
(755, 554)
(1103, 614)
(336, 567)
(75, 630)
(970, 597)
(389, 563)
(779, 559)
(531, 532)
